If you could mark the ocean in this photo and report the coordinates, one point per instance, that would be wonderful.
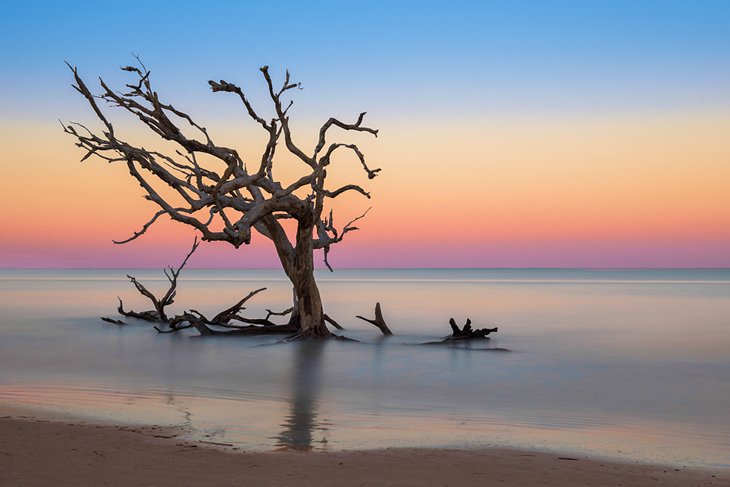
(627, 364)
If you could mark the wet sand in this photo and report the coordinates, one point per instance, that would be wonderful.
(35, 451)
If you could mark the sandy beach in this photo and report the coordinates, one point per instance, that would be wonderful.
(36, 451)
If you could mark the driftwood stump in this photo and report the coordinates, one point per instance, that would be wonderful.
(379, 321)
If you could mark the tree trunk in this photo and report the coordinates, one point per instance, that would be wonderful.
(307, 300)
(308, 303)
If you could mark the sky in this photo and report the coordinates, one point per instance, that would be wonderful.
(512, 133)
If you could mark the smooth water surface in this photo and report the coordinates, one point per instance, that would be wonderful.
(620, 363)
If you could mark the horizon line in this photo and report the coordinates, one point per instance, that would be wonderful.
(387, 268)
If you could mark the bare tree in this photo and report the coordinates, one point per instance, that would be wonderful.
(230, 203)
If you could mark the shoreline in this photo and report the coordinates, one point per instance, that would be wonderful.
(50, 450)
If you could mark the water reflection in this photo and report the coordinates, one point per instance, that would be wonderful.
(302, 428)
(602, 360)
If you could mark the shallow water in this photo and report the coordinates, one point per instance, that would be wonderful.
(624, 363)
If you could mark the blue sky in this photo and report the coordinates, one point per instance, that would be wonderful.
(425, 58)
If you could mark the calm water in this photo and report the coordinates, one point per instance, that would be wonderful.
(629, 364)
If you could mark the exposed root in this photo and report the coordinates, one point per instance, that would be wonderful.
(332, 322)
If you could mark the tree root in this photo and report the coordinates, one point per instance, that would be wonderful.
(332, 322)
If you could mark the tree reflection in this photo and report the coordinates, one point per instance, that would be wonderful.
(301, 426)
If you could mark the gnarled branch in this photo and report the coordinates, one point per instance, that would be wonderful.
(158, 314)
(249, 197)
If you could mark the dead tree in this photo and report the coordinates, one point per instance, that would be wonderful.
(231, 202)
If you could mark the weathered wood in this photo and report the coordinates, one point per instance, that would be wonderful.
(379, 321)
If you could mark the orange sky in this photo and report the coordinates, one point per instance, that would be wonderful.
(623, 184)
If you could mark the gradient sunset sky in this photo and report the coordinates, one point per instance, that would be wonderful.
(512, 133)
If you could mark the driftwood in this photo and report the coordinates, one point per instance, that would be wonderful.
(379, 321)
(467, 333)
(463, 334)
(457, 334)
